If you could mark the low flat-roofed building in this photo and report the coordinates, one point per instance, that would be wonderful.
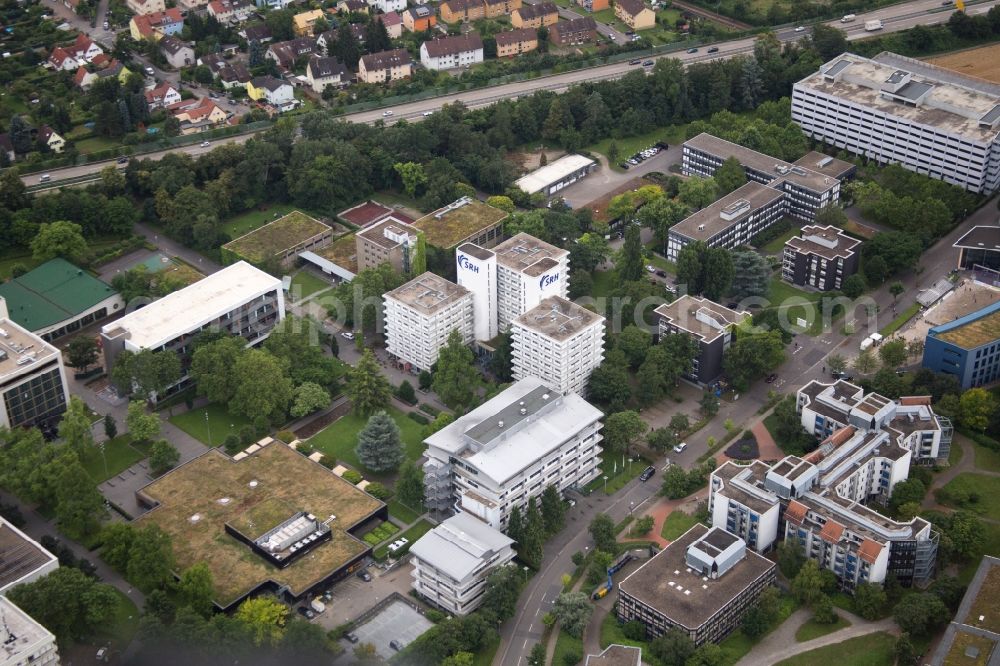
(369, 212)
(616, 655)
(452, 562)
(339, 259)
(973, 637)
(709, 324)
(509, 449)
(22, 559)
(390, 241)
(33, 389)
(23, 640)
(465, 220)
(702, 583)
(967, 348)
(821, 257)
(421, 314)
(895, 109)
(559, 342)
(282, 239)
(980, 247)
(57, 298)
(557, 175)
(731, 221)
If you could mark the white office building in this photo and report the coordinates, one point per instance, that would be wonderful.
(528, 270)
(476, 270)
(452, 562)
(420, 315)
(33, 389)
(510, 449)
(24, 641)
(895, 109)
(237, 300)
(559, 342)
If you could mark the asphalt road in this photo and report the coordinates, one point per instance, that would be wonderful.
(894, 18)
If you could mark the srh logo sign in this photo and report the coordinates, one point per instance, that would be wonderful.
(463, 262)
(547, 280)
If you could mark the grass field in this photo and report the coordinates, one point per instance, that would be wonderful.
(871, 650)
(485, 656)
(618, 474)
(305, 283)
(412, 534)
(983, 62)
(250, 220)
(790, 300)
(812, 629)
(628, 146)
(401, 512)
(123, 627)
(676, 524)
(13, 257)
(604, 283)
(986, 459)
(566, 647)
(956, 454)
(95, 144)
(212, 430)
(340, 437)
(777, 245)
(986, 487)
(119, 453)
(900, 321)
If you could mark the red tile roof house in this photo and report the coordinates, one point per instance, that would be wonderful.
(82, 51)
(162, 96)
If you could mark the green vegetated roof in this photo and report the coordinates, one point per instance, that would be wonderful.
(55, 291)
(275, 237)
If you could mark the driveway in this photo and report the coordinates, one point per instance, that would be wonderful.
(352, 597)
(606, 179)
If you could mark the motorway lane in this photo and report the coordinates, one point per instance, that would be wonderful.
(897, 17)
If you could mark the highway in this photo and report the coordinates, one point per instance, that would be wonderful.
(894, 18)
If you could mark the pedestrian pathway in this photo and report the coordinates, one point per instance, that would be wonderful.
(966, 465)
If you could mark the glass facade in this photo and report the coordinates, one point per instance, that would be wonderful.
(37, 399)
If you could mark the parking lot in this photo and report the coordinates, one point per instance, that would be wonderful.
(353, 597)
(398, 622)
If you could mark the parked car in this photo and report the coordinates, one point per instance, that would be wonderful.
(648, 63)
(651, 269)
(647, 473)
(206, 144)
(661, 274)
(122, 160)
(635, 62)
(680, 447)
(770, 378)
(306, 612)
(347, 335)
(625, 165)
(395, 645)
(351, 637)
(44, 178)
(800, 28)
(150, 71)
(102, 654)
(427, 113)
(571, 502)
(365, 576)
(106, 25)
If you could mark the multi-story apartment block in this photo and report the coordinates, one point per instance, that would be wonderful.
(495, 8)
(389, 241)
(731, 221)
(582, 30)
(535, 16)
(635, 14)
(515, 42)
(821, 257)
(510, 449)
(559, 342)
(452, 52)
(702, 584)
(452, 562)
(420, 315)
(22, 559)
(894, 109)
(968, 348)
(419, 18)
(809, 184)
(709, 324)
(23, 640)
(237, 300)
(741, 504)
(528, 270)
(33, 390)
(385, 66)
(453, 11)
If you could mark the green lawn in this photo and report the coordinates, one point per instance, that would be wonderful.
(395, 198)
(661, 263)
(617, 473)
(812, 629)
(123, 626)
(412, 534)
(566, 645)
(611, 632)
(305, 283)
(986, 487)
(213, 429)
(955, 454)
(900, 321)
(340, 437)
(986, 459)
(96, 144)
(796, 304)
(401, 512)
(778, 244)
(250, 220)
(13, 257)
(628, 146)
(604, 283)
(118, 452)
(871, 650)
(676, 524)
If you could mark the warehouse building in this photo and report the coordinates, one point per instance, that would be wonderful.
(968, 348)
(556, 176)
(421, 314)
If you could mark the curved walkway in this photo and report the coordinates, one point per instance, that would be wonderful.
(780, 644)
(966, 465)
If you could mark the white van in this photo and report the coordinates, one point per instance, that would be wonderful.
(45, 178)
(848, 18)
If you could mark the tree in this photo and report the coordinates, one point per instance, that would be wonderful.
(828, 41)
(532, 536)
(141, 425)
(629, 262)
(454, 377)
(831, 215)
(753, 355)
(459, 658)
(673, 648)
(367, 655)
(265, 618)
(609, 382)
(602, 529)
(412, 175)
(503, 586)
(903, 648)
(310, 397)
(965, 531)
(588, 252)
(836, 363)
(635, 343)
(553, 510)
(537, 655)
(379, 447)
(502, 362)
(162, 457)
(865, 361)
(75, 426)
(675, 483)
(854, 286)
(908, 490)
(709, 654)
(263, 388)
(751, 275)
(621, 429)
(977, 406)
(110, 426)
(823, 612)
(573, 610)
(196, 589)
(410, 485)
(515, 524)
(82, 352)
(79, 506)
(869, 600)
(146, 373)
(807, 586)
(67, 602)
(698, 192)
(896, 288)
(150, 559)
(920, 613)
(59, 239)
(709, 404)
(406, 392)
(367, 387)
(729, 176)
(875, 269)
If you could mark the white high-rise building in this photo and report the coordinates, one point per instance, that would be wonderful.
(23, 640)
(452, 562)
(510, 449)
(559, 342)
(420, 315)
(476, 270)
(528, 270)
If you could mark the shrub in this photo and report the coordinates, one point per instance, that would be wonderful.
(634, 630)
(418, 417)
(572, 658)
(232, 444)
(247, 435)
(261, 425)
(353, 476)
(406, 393)
(286, 436)
(430, 409)
(434, 615)
(377, 490)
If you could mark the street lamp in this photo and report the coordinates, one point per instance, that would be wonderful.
(605, 484)
(209, 426)
(105, 460)
(525, 574)
(631, 507)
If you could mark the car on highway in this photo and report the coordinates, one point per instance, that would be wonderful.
(692, 50)
(45, 178)
(647, 473)
(427, 113)
(714, 49)
(386, 114)
(637, 61)
(648, 63)
(122, 160)
(680, 447)
(800, 28)
(206, 144)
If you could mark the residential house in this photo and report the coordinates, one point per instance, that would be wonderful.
(156, 25)
(393, 23)
(575, 31)
(535, 16)
(419, 18)
(453, 11)
(163, 95)
(230, 74)
(516, 42)
(177, 53)
(83, 50)
(84, 77)
(451, 52)
(189, 5)
(386, 6)
(635, 14)
(230, 11)
(325, 42)
(385, 66)
(145, 6)
(322, 72)
(593, 5)
(275, 92)
(204, 116)
(303, 22)
(54, 142)
(286, 53)
(352, 7)
(256, 33)
(496, 8)
(273, 4)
